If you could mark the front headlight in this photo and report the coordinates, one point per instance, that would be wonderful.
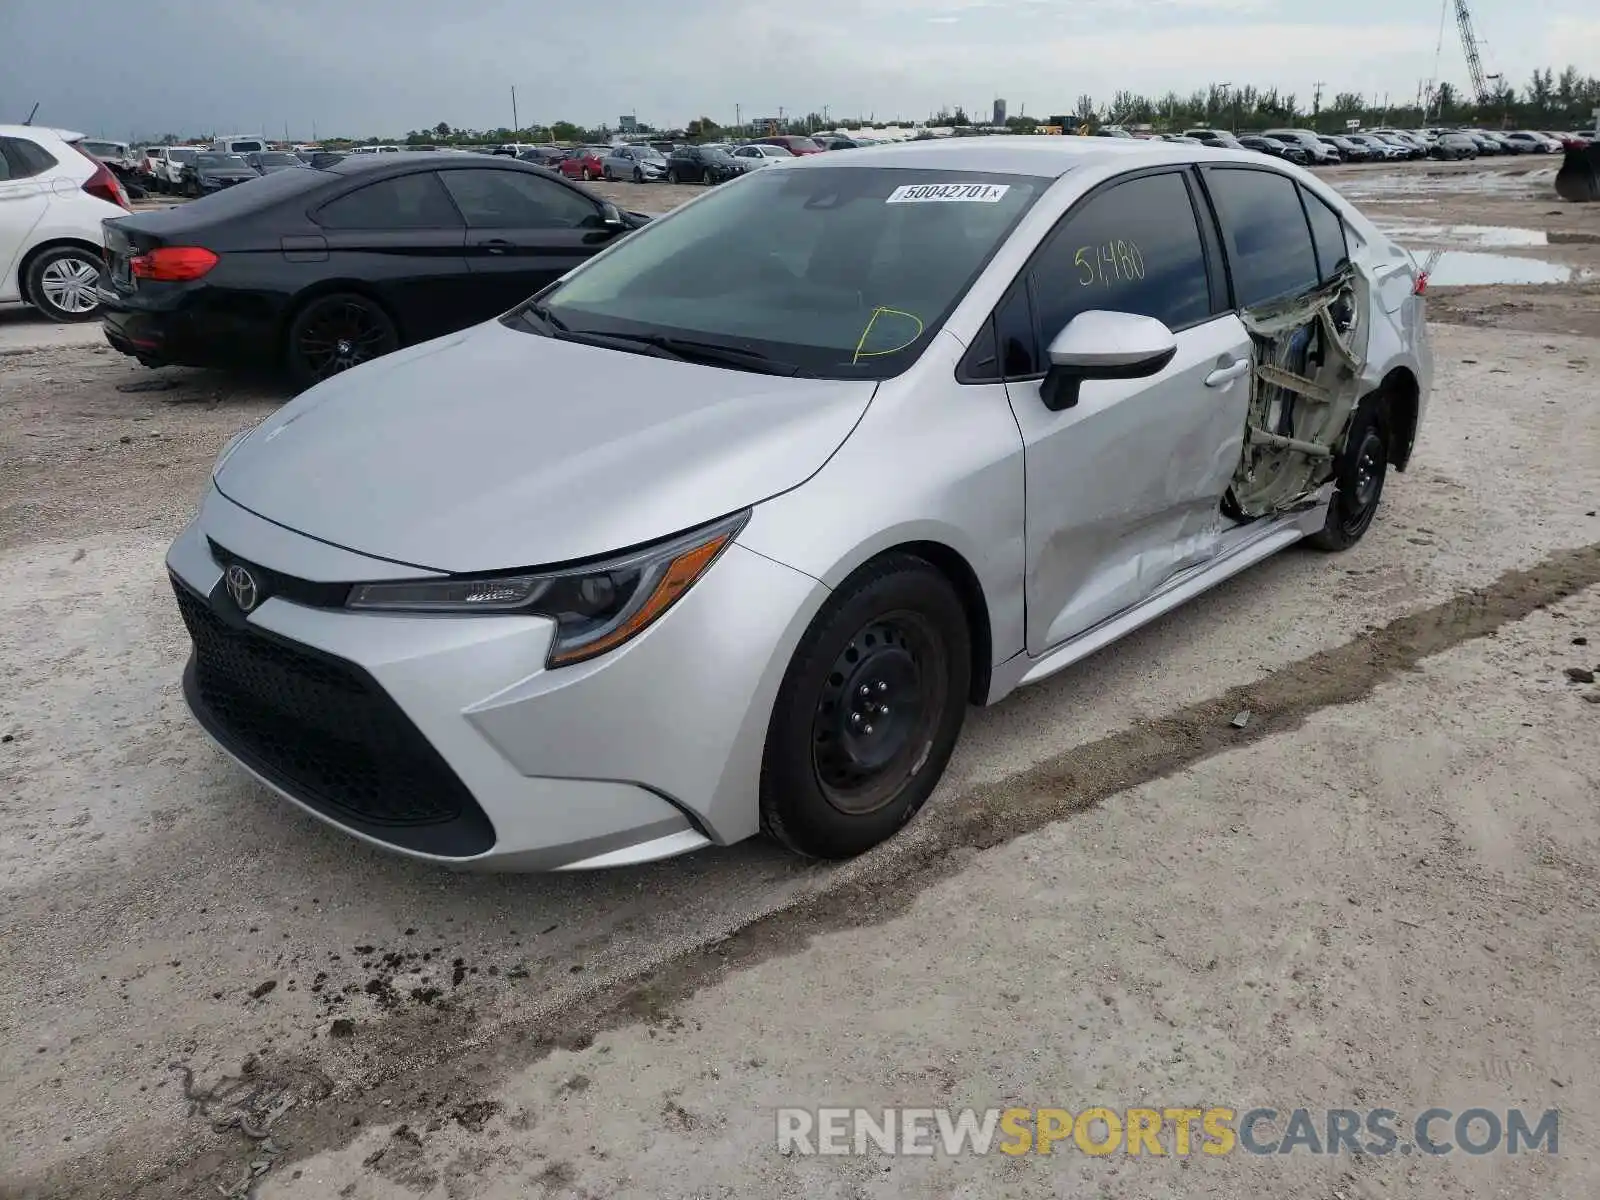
(596, 607)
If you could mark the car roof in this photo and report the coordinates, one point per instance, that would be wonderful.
(66, 135)
(1037, 154)
(362, 164)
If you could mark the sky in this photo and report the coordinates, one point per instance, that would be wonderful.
(129, 70)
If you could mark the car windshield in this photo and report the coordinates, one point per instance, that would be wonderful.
(181, 155)
(802, 143)
(103, 149)
(221, 160)
(839, 273)
(277, 159)
(774, 152)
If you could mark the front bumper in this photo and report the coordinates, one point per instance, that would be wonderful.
(446, 739)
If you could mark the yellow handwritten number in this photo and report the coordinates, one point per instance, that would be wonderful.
(880, 311)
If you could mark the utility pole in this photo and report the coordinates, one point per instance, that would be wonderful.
(1316, 98)
(738, 121)
(514, 125)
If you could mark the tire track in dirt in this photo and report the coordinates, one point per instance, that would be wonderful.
(423, 1063)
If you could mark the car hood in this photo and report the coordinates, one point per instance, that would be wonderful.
(495, 448)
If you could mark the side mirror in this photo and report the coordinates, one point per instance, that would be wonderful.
(1104, 345)
(611, 217)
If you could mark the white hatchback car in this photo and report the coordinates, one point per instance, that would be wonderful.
(53, 196)
(725, 529)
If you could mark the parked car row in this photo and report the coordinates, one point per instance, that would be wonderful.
(1308, 148)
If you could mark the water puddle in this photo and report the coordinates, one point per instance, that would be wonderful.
(1470, 268)
(1467, 236)
(1527, 181)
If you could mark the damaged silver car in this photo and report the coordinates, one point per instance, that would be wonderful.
(722, 532)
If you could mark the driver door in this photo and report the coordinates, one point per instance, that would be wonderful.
(1124, 488)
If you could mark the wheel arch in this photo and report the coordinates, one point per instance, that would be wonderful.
(333, 287)
(25, 263)
(1402, 401)
(961, 576)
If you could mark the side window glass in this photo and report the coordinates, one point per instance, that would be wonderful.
(21, 159)
(1327, 234)
(1132, 248)
(515, 200)
(414, 201)
(1265, 233)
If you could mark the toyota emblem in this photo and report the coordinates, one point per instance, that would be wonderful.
(242, 587)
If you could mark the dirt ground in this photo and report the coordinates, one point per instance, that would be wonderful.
(1380, 891)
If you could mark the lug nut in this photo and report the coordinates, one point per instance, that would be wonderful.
(868, 729)
(882, 687)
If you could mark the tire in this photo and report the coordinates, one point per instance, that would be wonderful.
(587, 174)
(333, 333)
(672, 175)
(638, 175)
(708, 179)
(832, 786)
(1358, 478)
(61, 284)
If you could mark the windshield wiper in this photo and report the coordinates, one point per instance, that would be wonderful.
(713, 353)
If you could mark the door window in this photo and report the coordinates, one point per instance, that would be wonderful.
(515, 200)
(416, 201)
(1134, 247)
(1266, 234)
(1327, 235)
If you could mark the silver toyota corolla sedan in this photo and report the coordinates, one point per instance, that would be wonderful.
(722, 532)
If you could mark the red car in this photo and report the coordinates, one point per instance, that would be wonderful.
(582, 163)
(794, 143)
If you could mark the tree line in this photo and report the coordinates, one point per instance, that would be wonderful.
(1549, 100)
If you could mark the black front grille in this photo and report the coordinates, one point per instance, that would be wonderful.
(324, 731)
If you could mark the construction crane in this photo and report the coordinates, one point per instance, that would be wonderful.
(1469, 44)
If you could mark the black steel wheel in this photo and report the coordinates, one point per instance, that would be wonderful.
(334, 333)
(1359, 477)
(869, 710)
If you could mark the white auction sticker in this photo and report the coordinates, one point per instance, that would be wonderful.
(940, 193)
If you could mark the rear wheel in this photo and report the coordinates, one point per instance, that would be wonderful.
(868, 712)
(672, 175)
(334, 333)
(1358, 479)
(61, 284)
(587, 174)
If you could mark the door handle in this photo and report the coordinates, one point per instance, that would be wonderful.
(1225, 375)
(497, 245)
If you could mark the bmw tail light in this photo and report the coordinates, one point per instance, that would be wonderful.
(173, 264)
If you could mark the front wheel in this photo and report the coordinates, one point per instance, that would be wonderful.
(868, 711)
(672, 175)
(638, 175)
(336, 332)
(587, 174)
(1358, 479)
(708, 178)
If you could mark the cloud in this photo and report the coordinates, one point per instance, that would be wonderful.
(369, 67)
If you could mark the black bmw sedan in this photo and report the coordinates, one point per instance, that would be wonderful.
(317, 270)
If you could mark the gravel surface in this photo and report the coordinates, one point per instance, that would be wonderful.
(1416, 756)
